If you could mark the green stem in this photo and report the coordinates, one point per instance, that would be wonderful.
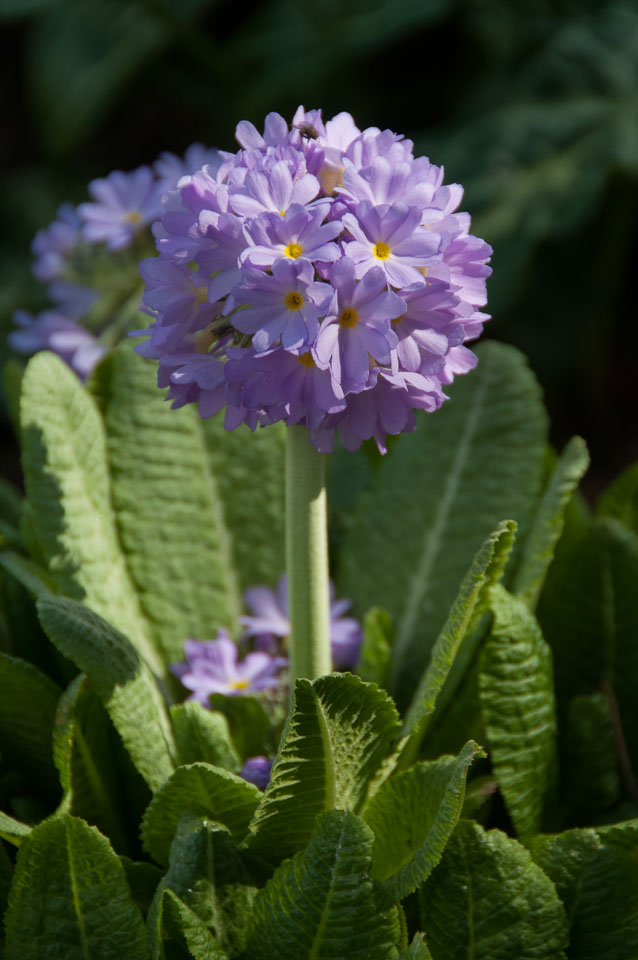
(307, 557)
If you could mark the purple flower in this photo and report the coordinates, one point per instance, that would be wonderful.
(51, 331)
(170, 168)
(124, 203)
(298, 233)
(257, 770)
(273, 190)
(270, 620)
(52, 245)
(390, 237)
(212, 667)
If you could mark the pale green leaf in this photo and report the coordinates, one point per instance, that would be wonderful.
(486, 570)
(620, 499)
(12, 830)
(322, 903)
(376, 647)
(598, 884)
(168, 508)
(487, 899)
(70, 898)
(516, 691)
(66, 475)
(547, 527)
(438, 496)
(189, 937)
(203, 734)
(412, 817)
(121, 680)
(202, 790)
(338, 732)
(418, 949)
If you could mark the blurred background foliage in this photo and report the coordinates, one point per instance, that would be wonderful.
(532, 105)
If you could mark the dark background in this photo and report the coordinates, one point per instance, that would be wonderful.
(532, 105)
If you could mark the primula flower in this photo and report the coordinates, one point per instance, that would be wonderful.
(270, 621)
(212, 667)
(124, 203)
(341, 277)
(51, 331)
(257, 770)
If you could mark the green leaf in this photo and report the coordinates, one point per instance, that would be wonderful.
(322, 903)
(69, 898)
(142, 878)
(412, 816)
(168, 507)
(488, 899)
(202, 790)
(12, 830)
(589, 765)
(189, 937)
(620, 499)
(250, 726)
(203, 734)
(516, 690)
(205, 871)
(376, 648)
(10, 503)
(548, 523)
(598, 884)
(83, 751)
(438, 497)
(28, 702)
(338, 732)
(486, 570)
(121, 680)
(417, 950)
(6, 875)
(69, 498)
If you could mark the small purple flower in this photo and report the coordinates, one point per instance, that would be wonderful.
(51, 331)
(257, 770)
(170, 168)
(212, 667)
(52, 245)
(270, 620)
(298, 233)
(273, 190)
(124, 203)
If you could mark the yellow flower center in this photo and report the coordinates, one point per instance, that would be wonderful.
(238, 684)
(423, 270)
(305, 359)
(133, 216)
(293, 250)
(349, 317)
(398, 319)
(294, 300)
(381, 251)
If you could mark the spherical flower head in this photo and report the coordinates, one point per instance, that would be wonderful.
(257, 770)
(270, 620)
(212, 667)
(124, 203)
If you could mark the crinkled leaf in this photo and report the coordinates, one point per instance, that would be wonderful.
(598, 884)
(338, 732)
(203, 734)
(322, 902)
(436, 499)
(486, 570)
(189, 937)
(488, 899)
(547, 527)
(70, 898)
(206, 872)
(28, 702)
(412, 816)
(12, 830)
(418, 949)
(202, 790)
(516, 690)
(68, 491)
(250, 727)
(376, 648)
(121, 680)
(620, 499)
(589, 766)
(169, 512)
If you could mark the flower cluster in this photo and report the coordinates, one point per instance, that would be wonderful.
(88, 259)
(321, 275)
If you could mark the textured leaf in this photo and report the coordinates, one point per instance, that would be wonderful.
(121, 680)
(202, 790)
(620, 499)
(487, 568)
(417, 950)
(70, 898)
(487, 899)
(250, 726)
(12, 830)
(203, 734)
(68, 490)
(207, 874)
(547, 527)
(435, 500)
(337, 734)
(142, 878)
(83, 751)
(321, 903)
(376, 648)
(175, 922)
(517, 699)
(412, 816)
(28, 701)
(169, 513)
(589, 766)
(598, 884)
